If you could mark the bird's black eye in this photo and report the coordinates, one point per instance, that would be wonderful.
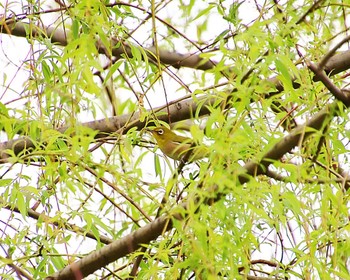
(160, 131)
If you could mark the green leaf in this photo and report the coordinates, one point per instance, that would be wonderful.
(285, 78)
(21, 204)
(157, 168)
(233, 13)
(204, 12)
(75, 29)
(105, 41)
(112, 69)
(136, 53)
(46, 71)
(5, 182)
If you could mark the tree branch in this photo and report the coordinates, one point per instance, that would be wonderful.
(59, 36)
(117, 249)
(120, 124)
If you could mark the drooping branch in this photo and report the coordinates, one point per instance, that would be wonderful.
(36, 215)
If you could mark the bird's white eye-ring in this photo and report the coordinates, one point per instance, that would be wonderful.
(160, 131)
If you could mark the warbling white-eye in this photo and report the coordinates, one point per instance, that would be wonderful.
(176, 146)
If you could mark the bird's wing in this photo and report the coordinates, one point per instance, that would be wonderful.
(178, 139)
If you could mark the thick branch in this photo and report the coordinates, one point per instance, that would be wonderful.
(343, 96)
(295, 137)
(120, 124)
(59, 36)
(335, 64)
(117, 249)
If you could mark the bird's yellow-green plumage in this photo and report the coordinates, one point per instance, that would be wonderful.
(176, 146)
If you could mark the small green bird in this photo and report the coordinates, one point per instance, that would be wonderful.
(176, 146)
